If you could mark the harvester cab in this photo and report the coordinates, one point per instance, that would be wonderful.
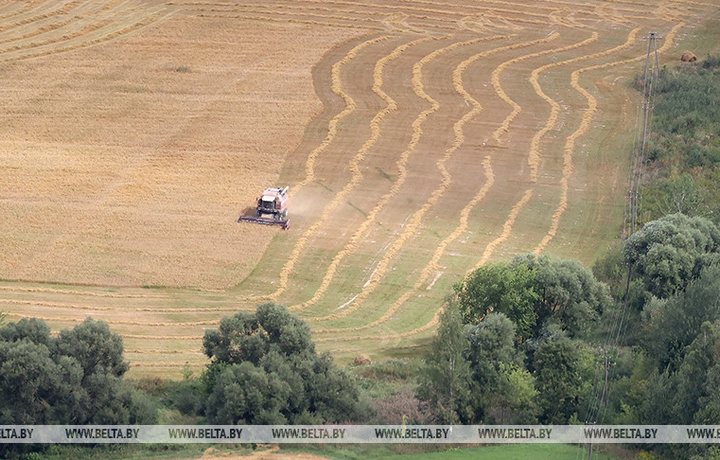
(272, 208)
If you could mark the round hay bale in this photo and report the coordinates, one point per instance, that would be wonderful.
(362, 360)
(688, 56)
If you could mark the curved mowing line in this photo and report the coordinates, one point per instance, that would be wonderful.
(350, 106)
(391, 106)
(507, 229)
(27, 7)
(416, 219)
(684, 3)
(402, 175)
(495, 79)
(534, 154)
(265, 11)
(150, 19)
(428, 269)
(125, 309)
(609, 11)
(411, 7)
(260, 17)
(417, 131)
(569, 149)
(82, 293)
(64, 11)
(433, 265)
(121, 322)
(458, 129)
(507, 226)
(523, 13)
(345, 338)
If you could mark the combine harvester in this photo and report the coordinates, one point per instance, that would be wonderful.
(273, 203)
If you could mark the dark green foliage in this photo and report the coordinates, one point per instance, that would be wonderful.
(684, 146)
(33, 329)
(533, 290)
(73, 379)
(612, 270)
(494, 361)
(491, 344)
(445, 380)
(95, 347)
(673, 324)
(670, 252)
(245, 394)
(265, 370)
(568, 292)
(561, 373)
(250, 336)
(503, 288)
(515, 402)
(474, 374)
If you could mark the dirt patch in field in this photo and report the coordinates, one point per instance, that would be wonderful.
(273, 453)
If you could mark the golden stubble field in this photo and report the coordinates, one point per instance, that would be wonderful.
(420, 140)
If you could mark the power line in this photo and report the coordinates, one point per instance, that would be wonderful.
(599, 403)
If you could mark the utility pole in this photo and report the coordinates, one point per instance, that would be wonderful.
(652, 72)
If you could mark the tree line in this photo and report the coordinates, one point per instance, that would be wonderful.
(543, 340)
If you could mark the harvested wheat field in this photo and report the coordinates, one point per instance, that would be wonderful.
(419, 139)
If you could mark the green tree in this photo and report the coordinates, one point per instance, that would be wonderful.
(697, 396)
(503, 288)
(672, 324)
(474, 373)
(265, 370)
(490, 348)
(568, 292)
(96, 348)
(532, 290)
(74, 379)
(247, 394)
(561, 373)
(670, 252)
(515, 402)
(445, 378)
